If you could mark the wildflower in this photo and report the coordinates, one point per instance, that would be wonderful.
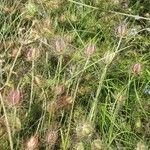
(136, 68)
(90, 49)
(32, 143)
(121, 30)
(84, 130)
(32, 54)
(51, 138)
(14, 97)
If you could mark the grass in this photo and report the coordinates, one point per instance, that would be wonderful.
(74, 74)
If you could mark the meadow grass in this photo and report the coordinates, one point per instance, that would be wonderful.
(74, 74)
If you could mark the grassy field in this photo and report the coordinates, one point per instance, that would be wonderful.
(74, 74)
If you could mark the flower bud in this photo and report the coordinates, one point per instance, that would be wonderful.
(51, 138)
(121, 30)
(32, 143)
(136, 68)
(60, 45)
(14, 97)
(32, 54)
(84, 130)
(90, 49)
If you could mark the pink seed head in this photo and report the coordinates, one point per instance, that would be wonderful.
(136, 68)
(90, 49)
(14, 97)
(32, 143)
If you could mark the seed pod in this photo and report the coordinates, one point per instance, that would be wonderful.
(32, 54)
(51, 138)
(84, 130)
(136, 68)
(32, 143)
(90, 49)
(14, 97)
(121, 30)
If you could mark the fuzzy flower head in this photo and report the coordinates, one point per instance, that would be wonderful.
(136, 68)
(90, 49)
(32, 54)
(121, 30)
(51, 137)
(32, 143)
(84, 130)
(14, 97)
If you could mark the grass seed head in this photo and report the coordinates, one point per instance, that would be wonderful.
(121, 30)
(84, 130)
(32, 143)
(32, 54)
(14, 97)
(136, 68)
(60, 45)
(90, 49)
(51, 137)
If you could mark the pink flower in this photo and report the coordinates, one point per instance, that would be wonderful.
(14, 97)
(90, 49)
(136, 68)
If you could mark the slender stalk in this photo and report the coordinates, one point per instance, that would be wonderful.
(7, 123)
